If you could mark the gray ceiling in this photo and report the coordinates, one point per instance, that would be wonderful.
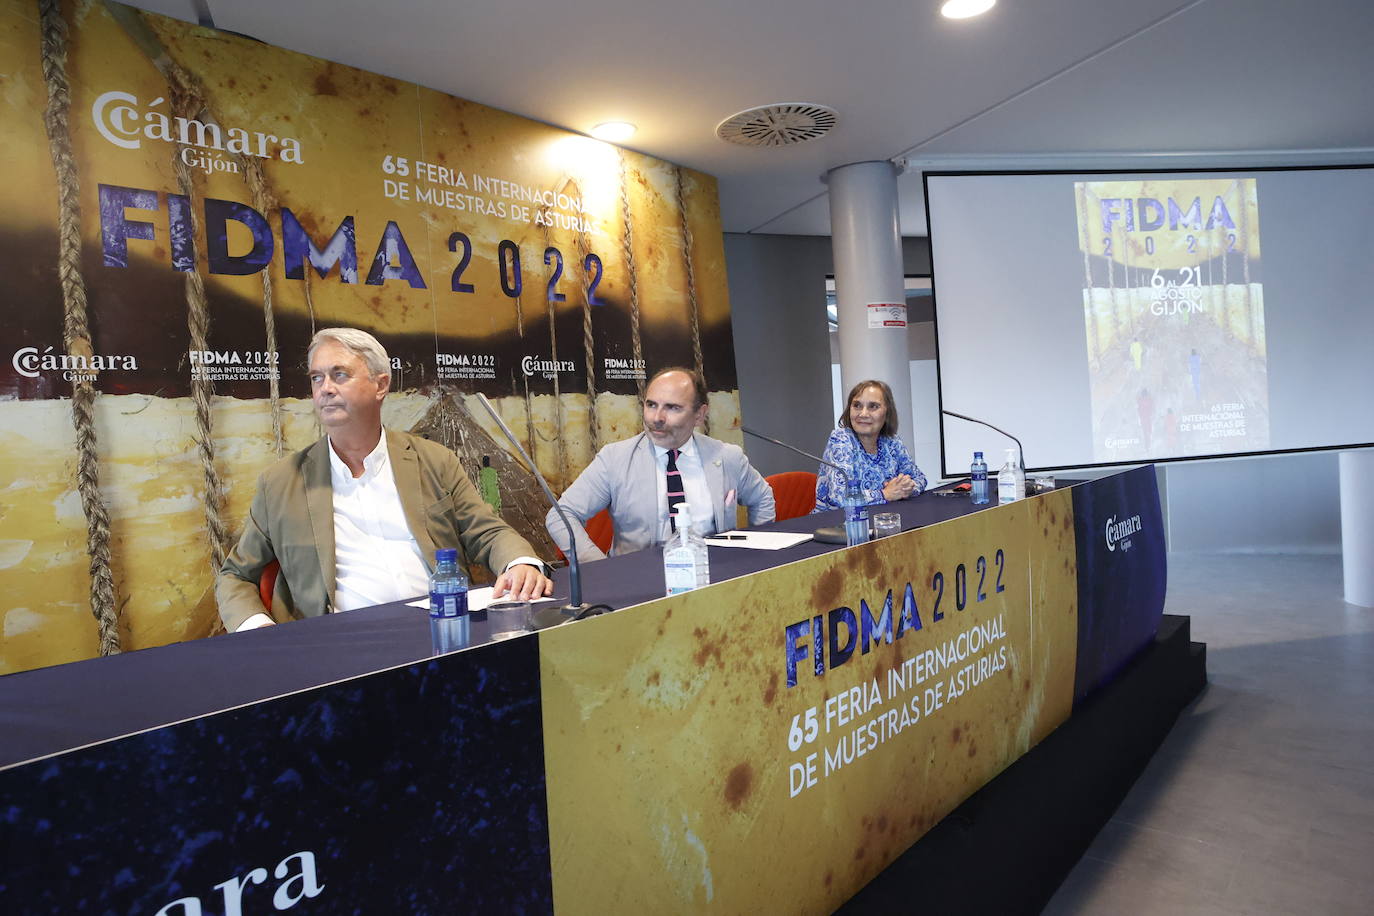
(1033, 84)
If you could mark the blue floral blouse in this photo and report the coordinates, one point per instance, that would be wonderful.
(871, 471)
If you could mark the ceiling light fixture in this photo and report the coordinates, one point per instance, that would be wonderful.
(965, 9)
(614, 131)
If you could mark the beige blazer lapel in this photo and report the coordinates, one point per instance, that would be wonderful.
(319, 503)
(405, 467)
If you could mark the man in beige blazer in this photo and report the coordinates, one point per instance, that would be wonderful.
(355, 518)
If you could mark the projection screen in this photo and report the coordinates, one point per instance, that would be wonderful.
(1119, 317)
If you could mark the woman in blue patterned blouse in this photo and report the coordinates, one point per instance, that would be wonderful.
(865, 444)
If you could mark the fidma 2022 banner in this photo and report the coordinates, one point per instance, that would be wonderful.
(182, 208)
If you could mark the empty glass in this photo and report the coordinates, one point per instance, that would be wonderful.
(885, 523)
(508, 618)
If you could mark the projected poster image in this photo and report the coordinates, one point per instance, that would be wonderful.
(1173, 311)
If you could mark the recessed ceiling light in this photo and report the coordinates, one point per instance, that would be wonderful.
(964, 9)
(613, 131)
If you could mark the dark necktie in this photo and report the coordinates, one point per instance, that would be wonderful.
(676, 495)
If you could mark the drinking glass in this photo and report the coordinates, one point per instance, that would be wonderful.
(508, 618)
(886, 523)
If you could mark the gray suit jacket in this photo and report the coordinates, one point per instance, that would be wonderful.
(292, 521)
(624, 476)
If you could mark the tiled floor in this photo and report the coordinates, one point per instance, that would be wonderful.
(1261, 800)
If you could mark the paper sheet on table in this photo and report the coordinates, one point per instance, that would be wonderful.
(758, 540)
(478, 599)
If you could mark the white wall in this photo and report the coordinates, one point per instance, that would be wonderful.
(782, 340)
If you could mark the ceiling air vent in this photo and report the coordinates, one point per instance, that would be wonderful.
(784, 124)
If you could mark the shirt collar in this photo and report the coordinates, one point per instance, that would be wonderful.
(372, 463)
(688, 449)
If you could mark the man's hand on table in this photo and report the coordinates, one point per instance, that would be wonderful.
(522, 582)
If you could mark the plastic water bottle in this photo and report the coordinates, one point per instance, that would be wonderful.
(686, 561)
(448, 603)
(1011, 480)
(978, 476)
(855, 516)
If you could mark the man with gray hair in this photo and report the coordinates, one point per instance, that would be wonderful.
(355, 518)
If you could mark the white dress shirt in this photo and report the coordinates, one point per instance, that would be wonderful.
(693, 485)
(376, 559)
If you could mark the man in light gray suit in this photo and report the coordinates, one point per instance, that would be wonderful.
(667, 464)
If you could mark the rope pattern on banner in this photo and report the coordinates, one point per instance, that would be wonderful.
(188, 100)
(75, 329)
(529, 419)
(561, 441)
(184, 98)
(266, 203)
(520, 332)
(627, 242)
(698, 362)
(584, 248)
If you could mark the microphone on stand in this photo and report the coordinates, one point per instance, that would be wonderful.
(828, 535)
(1021, 451)
(793, 448)
(574, 609)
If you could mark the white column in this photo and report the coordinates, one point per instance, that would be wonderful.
(1357, 526)
(867, 244)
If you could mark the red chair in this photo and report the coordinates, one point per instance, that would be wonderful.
(267, 582)
(601, 531)
(794, 493)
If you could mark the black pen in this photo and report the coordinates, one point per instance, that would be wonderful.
(728, 537)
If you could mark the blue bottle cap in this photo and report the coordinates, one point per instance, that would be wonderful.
(446, 555)
(977, 455)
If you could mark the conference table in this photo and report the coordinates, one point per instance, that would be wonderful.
(50, 710)
(650, 756)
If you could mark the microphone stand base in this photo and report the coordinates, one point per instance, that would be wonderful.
(546, 617)
(833, 535)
